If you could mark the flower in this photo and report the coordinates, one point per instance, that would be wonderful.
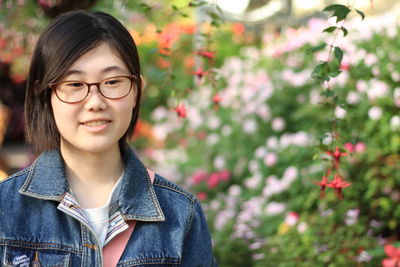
(206, 54)
(375, 113)
(394, 256)
(181, 110)
(270, 159)
(395, 123)
(322, 184)
(336, 156)
(202, 196)
(200, 73)
(337, 184)
(349, 147)
(216, 98)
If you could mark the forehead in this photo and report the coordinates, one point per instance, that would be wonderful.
(102, 58)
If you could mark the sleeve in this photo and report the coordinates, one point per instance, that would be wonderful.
(197, 247)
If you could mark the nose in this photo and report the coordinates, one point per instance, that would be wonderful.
(94, 100)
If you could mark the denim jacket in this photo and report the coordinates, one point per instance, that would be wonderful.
(41, 219)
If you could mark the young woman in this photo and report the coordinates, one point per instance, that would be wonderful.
(87, 192)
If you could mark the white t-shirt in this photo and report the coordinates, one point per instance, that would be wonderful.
(99, 217)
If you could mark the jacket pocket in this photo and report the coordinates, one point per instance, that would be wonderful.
(24, 257)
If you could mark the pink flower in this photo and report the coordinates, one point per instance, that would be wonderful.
(394, 256)
(349, 147)
(198, 177)
(270, 159)
(224, 175)
(213, 180)
(360, 147)
(202, 196)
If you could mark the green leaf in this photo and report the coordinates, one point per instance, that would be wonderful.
(197, 3)
(316, 48)
(339, 11)
(334, 73)
(330, 29)
(146, 7)
(174, 7)
(336, 100)
(338, 54)
(361, 14)
(344, 30)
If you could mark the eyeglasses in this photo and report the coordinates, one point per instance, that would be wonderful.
(76, 91)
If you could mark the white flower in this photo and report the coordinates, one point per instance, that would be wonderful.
(234, 190)
(214, 122)
(260, 152)
(362, 86)
(212, 139)
(219, 162)
(253, 165)
(327, 140)
(395, 123)
(278, 124)
(353, 98)
(159, 113)
(302, 227)
(274, 208)
(253, 182)
(340, 113)
(351, 216)
(375, 113)
(370, 59)
(272, 142)
(249, 126)
(270, 159)
(226, 130)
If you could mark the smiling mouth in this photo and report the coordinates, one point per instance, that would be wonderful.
(96, 123)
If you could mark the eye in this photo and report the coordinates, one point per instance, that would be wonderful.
(113, 81)
(74, 84)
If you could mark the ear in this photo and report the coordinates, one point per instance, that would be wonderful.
(143, 81)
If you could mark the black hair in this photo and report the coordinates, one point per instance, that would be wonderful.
(65, 40)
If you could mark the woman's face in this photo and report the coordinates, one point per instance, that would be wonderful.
(96, 124)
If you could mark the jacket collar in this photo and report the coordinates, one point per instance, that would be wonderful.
(137, 199)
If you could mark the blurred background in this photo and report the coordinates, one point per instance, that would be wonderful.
(233, 112)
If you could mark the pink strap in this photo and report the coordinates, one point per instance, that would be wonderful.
(113, 250)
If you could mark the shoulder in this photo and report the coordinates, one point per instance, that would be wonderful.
(15, 180)
(171, 189)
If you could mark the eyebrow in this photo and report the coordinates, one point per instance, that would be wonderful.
(105, 70)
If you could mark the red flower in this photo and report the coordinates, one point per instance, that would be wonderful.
(216, 98)
(181, 110)
(238, 28)
(322, 184)
(206, 54)
(200, 73)
(394, 256)
(336, 156)
(337, 184)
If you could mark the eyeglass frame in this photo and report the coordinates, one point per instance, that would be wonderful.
(89, 85)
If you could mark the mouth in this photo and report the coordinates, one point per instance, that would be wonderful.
(95, 123)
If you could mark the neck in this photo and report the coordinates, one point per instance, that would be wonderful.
(90, 170)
